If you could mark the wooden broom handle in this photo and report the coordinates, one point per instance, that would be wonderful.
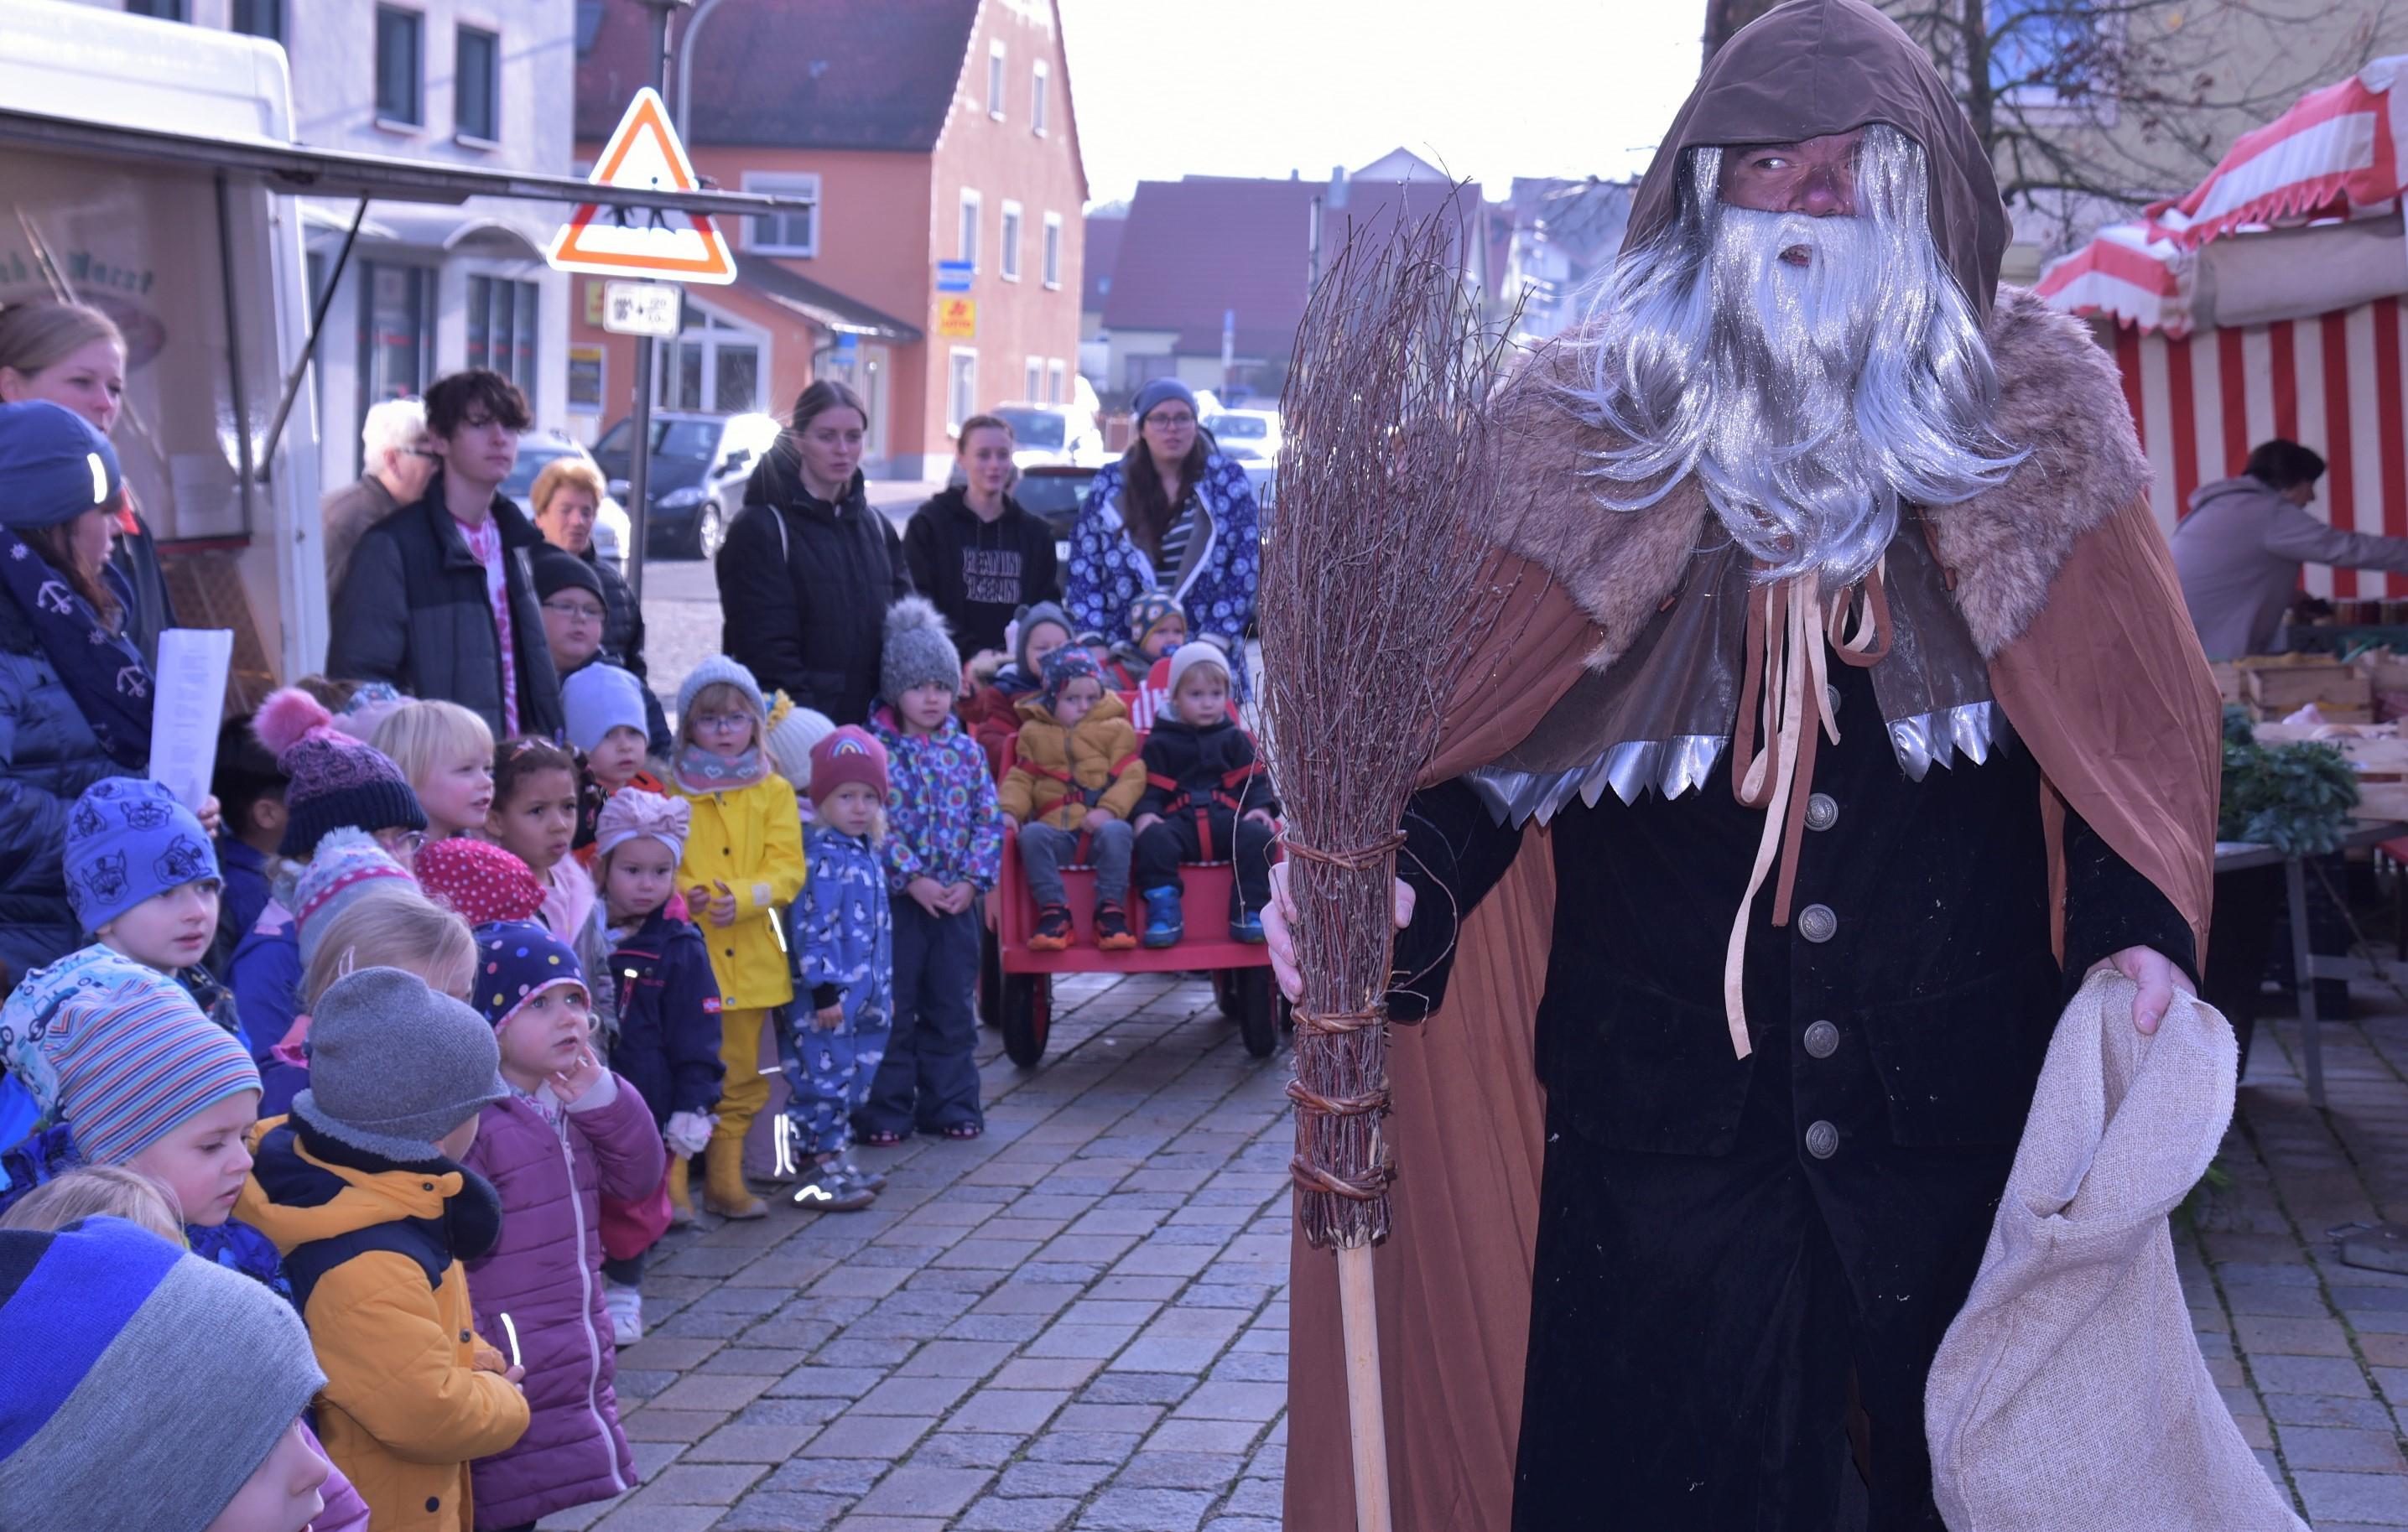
(1366, 1419)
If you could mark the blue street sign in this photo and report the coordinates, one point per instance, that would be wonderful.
(953, 276)
(848, 341)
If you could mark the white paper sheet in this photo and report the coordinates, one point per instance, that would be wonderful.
(189, 709)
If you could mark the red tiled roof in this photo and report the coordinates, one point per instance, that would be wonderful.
(1103, 254)
(795, 73)
(1192, 248)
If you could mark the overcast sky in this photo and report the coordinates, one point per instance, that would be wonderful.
(1491, 89)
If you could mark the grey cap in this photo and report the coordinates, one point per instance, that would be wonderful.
(394, 1066)
(711, 672)
(919, 649)
(105, 1431)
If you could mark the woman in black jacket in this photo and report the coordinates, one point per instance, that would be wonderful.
(974, 550)
(808, 569)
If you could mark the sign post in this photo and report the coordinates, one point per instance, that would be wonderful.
(643, 152)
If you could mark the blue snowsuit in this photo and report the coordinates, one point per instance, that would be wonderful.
(841, 932)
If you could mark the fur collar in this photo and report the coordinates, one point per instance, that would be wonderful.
(2059, 397)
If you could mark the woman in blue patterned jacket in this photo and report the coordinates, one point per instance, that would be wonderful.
(1172, 514)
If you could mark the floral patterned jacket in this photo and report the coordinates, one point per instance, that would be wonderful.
(941, 818)
(1223, 571)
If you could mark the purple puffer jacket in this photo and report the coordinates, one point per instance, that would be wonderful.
(546, 1274)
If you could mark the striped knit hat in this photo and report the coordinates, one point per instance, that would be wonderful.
(336, 778)
(139, 1385)
(349, 862)
(118, 1052)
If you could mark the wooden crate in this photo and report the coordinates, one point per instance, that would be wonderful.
(2277, 691)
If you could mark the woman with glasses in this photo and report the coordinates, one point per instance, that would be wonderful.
(576, 616)
(1173, 514)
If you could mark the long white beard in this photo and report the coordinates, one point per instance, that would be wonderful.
(1811, 401)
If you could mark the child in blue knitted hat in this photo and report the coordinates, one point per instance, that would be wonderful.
(142, 877)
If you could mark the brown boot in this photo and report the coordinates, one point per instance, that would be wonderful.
(680, 1196)
(724, 1191)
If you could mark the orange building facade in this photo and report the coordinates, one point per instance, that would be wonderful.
(944, 135)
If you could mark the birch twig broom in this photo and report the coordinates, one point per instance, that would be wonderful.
(1373, 594)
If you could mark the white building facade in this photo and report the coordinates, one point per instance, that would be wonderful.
(429, 289)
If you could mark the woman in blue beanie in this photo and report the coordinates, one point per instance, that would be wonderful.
(1173, 515)
(71, 683)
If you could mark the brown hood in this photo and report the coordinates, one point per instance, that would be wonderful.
(1812, 67)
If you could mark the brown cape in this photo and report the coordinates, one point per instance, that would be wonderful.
(2067, 589)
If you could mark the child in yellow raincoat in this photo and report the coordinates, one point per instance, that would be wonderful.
(743, 865)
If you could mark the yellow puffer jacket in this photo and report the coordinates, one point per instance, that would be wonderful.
(750, 839)
(412, 1392)
(1100, 755)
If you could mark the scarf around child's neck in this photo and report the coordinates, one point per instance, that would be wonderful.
(700, 770)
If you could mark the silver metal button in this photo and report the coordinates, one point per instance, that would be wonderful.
(1831, 698)
(1822, 1039)
(1822, 1140)
(1822, 811)
(1816, 923)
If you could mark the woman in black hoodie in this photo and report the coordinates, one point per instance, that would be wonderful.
(974, 550)
(808, 569)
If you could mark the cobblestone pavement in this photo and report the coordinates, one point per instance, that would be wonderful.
(1078, 1321)
(2312, 1355)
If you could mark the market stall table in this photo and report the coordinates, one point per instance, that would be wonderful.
(2308, 967)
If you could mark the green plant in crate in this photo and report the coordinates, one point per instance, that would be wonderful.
(2294, 798)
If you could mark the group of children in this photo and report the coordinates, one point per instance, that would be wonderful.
(418, 1047)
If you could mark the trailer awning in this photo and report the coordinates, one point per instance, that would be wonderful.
(301, 170)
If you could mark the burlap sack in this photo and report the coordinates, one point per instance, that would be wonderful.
(2070, 1395)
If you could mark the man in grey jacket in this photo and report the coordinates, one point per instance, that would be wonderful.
(2240, 550)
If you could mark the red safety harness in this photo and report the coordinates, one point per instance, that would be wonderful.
(1227, 796)
(1088, 797)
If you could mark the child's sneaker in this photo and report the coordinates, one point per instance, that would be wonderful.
(625, 1304)
(1112, 933)
(1053, 929)
(875, 1180)
(1246, 926)
(1164, 925)
(830, 1191)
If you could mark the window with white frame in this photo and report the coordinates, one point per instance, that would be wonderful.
(968, 249)
(1052, 266)
(1032, 381)
(1041, 82)
(1012, 222)
(961, 388)
(1056, 375)
(994, 80)
(793, 232)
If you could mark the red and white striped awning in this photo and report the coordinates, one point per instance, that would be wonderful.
(2332, 381)
(2336, 154)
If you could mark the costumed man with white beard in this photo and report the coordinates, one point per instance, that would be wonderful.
(1842, 713)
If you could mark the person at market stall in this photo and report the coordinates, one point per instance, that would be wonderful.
(436, 600)
(808, 569)
(74, 691)
(398, 460)
(974, 550)
(1173, 514)
(2239, 549)
(74, 355)
(568, 499)
(1689, 1176)
(575, 616)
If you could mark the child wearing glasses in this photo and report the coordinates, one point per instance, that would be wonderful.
(743, 865)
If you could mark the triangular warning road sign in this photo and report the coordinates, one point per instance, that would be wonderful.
(643, 154)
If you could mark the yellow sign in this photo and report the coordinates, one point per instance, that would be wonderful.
(594, 287)
(957, 318)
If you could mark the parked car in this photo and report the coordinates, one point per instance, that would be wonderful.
(1053, 434)
(700, 464)
(1249, 435)
(537, 451)
(1055, 490)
